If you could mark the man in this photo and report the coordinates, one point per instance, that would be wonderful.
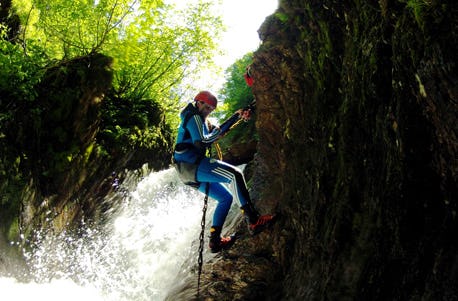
(195, 168)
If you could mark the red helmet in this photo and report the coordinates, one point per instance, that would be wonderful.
(206, 97)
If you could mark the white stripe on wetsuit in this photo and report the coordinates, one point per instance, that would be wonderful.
(230, 176)
(200, 125)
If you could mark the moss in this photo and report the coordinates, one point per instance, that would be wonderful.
(13, 231)
(281, 16)
(418, 8)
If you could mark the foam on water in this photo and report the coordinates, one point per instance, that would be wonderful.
(137, 255)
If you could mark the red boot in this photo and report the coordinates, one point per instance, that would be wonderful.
(256, 222)
(263, 222)
(218, 243)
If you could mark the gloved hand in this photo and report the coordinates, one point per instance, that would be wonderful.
(245, 114)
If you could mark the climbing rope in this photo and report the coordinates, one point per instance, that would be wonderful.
(201, 238)
(218, 151)
(236, 124)
(218, 147)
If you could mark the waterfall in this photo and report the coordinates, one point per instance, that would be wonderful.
(145, 243)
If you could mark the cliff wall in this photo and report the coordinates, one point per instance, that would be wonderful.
(357, 119)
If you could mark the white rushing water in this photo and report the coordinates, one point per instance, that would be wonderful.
(137, 255)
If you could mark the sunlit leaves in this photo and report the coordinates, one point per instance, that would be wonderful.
(154, 45)
(237, 95)
(236, 92)
(72, 28)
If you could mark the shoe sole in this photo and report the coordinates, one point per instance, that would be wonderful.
(263, 227)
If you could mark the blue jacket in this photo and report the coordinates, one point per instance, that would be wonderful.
(195, 135)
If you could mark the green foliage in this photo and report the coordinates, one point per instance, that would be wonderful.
(18, 76)
(72, 28)
(154, 46)
(236, 94)
(418, 8)
(281, 16)
(164, 54)
(18, 73)
(130, 124)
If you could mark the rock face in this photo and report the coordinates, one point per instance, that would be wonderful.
(357, 119)
(71, 169)
(65, 169)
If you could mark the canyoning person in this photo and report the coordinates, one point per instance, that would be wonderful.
(195, 168)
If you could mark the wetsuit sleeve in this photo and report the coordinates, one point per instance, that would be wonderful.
(226, 125)
(195, 127)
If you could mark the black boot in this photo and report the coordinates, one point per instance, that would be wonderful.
(218, 243)
(256, 222)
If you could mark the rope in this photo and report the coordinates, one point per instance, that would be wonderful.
(201, 238)
(218, 148)
(218, 151)
(236, 124)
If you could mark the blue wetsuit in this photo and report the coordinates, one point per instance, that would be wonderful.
(194, 138)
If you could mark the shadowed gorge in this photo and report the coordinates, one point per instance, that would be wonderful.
(356, 114)
(359, 102)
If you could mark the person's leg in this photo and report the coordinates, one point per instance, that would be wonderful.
(221, 194)
(215, 171)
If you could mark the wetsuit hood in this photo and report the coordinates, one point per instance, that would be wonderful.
(189, 111)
